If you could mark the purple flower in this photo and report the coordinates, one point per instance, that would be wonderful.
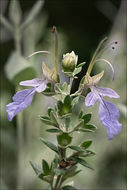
(108, 112)
(23, 98)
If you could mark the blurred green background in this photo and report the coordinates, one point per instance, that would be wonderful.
(25, 28)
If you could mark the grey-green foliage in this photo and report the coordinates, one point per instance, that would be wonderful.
(17, 67)
(15, 12)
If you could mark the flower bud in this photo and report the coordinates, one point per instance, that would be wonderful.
(69, 62)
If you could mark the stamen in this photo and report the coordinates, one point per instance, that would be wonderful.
(95, 54)
(56, 47)
(108, 46)
(37, 52)
(98, 52)
(108, 64)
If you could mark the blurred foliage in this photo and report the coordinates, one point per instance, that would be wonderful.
(81, 25)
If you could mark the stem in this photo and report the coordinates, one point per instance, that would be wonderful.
(60, 183)
(57, 183)
(56, 48)
(62, 152)
(96, 55)
(17, 39)
(71, 81)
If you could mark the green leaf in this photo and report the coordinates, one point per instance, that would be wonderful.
(77, 70)
(81, 64)
(80, 114)
(53, 117)
(82, 162)
(70, 172)
(32, 14)
(86, 144)
(87, 117)
(67, 101)
(75, 101)
(18, 69)
(85, 153)
(59, 171)
(45, 167)
(65, 88)
(90, 127)
(46, 121)
(15, 13)
(58, 88)
(68, 187)
(41, 176)
(64, 139)
(49, 144)
(64, 108)
(44, 117)
(76, 148)
(89, 153)
(53, 130)
(79, 124)
(61, 89)
(49, 111)
(82, 80)
(85, 130)
(48, 178)
(55, 163)
(37, 169)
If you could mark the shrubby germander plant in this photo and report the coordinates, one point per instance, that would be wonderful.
(60, 116)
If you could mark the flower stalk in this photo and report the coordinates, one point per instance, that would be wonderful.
(56, 49)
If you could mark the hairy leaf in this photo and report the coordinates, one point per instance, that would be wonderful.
(49, 144)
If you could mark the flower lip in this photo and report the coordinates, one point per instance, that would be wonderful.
(23, 98)
(108, 112)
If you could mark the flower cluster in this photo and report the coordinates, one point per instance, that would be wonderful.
(108, 112)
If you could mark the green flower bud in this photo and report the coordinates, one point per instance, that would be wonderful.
(69, 62)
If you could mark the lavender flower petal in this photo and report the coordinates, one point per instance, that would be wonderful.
(91, 99)
(34, 82)
(41, 87)
(108, 114)
(21, 99)
(107, 92)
